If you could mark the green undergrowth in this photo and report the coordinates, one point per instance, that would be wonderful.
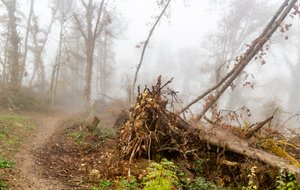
(286, 181)
(162, 176)
(14, 131)
(76, 128)
(167, 176)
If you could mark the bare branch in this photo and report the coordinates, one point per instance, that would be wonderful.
(251, 52)
(26, 39)
(80, 27)
(97, 24)
(145, 46)
(83, 3)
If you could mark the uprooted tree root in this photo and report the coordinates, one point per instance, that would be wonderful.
(152, 130)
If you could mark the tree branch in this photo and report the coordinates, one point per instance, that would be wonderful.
(251, 52)
(144, 49)
(97, 24)
(80, 27)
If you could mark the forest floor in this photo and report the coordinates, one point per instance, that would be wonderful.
(54, 151)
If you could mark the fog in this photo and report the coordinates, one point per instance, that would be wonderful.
(189, 43)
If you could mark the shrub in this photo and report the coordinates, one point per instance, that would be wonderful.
(23, 100)
(161, 176)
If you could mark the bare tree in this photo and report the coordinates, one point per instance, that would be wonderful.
(23, 63)
(13, 47)
(105, 61)
(4, 51)
(38, 49)
(64, 9)
(106, 56)
(90, 33)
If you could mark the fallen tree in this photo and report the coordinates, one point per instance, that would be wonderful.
(152, 130)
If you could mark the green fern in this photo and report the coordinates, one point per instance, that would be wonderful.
(161, 176)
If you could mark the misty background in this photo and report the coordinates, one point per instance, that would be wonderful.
(196, 42)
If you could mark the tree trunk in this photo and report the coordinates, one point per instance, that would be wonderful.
(50, 96)
(88, 79)
(5, 63)
(14, 42)
(57, 64)
(26, 40)
(103, 74)
(221, 137)
(218, 136)
(90, 37)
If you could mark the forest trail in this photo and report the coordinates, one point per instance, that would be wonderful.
(29, 170)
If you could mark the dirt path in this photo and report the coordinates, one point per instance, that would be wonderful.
(29, 171)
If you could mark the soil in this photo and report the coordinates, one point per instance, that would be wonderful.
(29, 171)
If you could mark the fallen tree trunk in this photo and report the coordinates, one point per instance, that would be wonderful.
(221, 137)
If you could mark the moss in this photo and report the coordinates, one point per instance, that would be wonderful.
(271, 145)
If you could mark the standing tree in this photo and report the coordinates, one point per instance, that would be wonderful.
(76, 62)
(90, 32)
(105, 61)
(63, 8)
(23, 63)
(40, 38)
(4, 50)
(13, 55)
